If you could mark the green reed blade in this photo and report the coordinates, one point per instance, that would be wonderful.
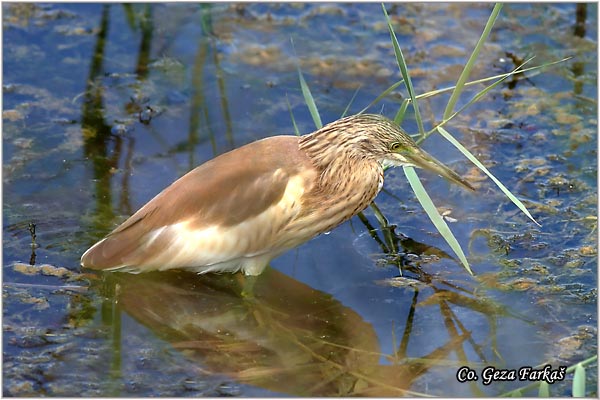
(296, 130)
(474, 99)
(382, 96)
(436, 92)
(404, 70)
(482, 167)
(350, 103)
(578, 388)
(399, 117)
(471, 62)
(434, 215)
(310, 101)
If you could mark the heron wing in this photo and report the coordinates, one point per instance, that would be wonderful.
(230, 207)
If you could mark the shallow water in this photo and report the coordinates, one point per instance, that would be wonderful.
(105, 105)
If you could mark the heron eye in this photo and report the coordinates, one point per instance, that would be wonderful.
(395, 146)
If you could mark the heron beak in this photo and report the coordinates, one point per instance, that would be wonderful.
(421, 159)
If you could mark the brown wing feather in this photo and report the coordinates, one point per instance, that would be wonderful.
(224, 191)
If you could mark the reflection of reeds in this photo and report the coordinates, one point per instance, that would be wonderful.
(104, 147)
(97, 134)
(199, 106)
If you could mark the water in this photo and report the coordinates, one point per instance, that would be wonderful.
(105, 105)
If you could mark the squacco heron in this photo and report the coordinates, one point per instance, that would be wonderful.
(243, 208)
